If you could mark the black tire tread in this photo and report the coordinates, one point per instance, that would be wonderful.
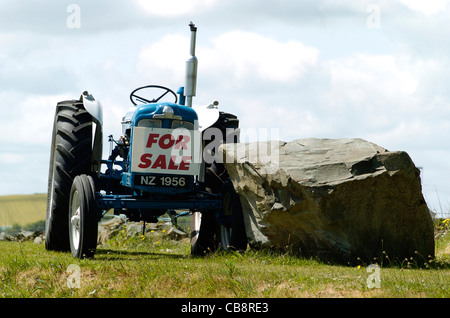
(72, 138)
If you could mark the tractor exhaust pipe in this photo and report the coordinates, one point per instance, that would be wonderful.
(191, 69)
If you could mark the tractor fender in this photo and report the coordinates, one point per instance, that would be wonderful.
(94, 108)
(207, 115)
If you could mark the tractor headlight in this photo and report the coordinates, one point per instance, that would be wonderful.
(167, 112)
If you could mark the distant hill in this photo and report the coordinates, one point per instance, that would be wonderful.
(22, 209)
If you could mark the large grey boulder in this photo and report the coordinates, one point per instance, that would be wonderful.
(339, 199)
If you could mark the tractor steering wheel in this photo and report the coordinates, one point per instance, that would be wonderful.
(137, 98)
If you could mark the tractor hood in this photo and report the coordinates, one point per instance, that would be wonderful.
(158, 111)
(202, 116)
(164, 111)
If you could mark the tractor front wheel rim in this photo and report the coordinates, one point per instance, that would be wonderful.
(75, 220)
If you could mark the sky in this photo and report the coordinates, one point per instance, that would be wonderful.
(376, 70)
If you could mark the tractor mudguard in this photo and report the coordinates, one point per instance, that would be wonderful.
(207, 115)
(95, 109)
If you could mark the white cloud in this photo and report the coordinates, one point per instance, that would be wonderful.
(174, 8)
(32, 120)
(13, 158)
(428, 7)
(163, 61)
(290, 121)
(387, 99)
(245, 54)
(233, 57)
(385, 76)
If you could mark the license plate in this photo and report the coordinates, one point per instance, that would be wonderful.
(162, 181)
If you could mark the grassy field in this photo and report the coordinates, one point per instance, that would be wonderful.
(22, 209)
(153, 266)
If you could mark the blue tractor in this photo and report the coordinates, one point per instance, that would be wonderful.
(165, 162)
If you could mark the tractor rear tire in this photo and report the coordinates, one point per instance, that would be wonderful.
(71, 155)
(224, 229)
(232, 234)
(213, 230)
(83, 217)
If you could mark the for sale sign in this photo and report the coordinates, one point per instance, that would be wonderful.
(166, 151)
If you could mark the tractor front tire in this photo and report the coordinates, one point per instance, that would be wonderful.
(83, 217)
(71, 155)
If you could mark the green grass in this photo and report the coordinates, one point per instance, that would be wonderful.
(154, 266)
